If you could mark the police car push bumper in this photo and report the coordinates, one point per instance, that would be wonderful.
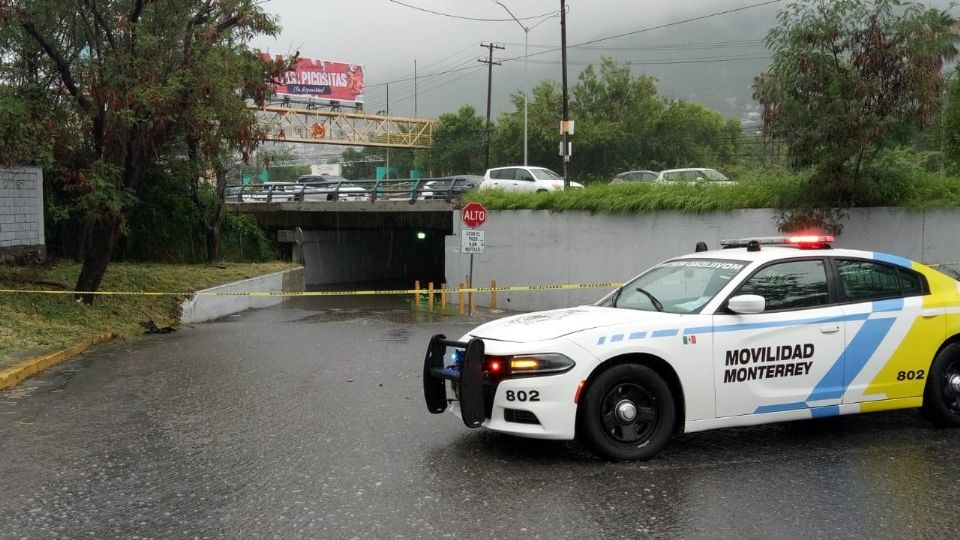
(468, 374)
(528, 394)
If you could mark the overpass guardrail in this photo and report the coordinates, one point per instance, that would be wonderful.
(354, 190)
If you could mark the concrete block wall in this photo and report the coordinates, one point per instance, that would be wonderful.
(21, 208)
(543, 248)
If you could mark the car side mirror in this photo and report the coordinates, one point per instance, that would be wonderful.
(746, 304)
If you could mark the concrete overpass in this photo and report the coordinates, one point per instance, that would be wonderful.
(360, 241)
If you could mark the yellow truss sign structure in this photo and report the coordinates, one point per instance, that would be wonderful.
(285, 124)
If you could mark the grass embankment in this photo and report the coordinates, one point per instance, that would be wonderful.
(34, 323)
(783, 191)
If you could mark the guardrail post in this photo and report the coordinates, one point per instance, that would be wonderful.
(430, 296)
(460, 298)
(493, 294)
(416, 295)
(443, 297)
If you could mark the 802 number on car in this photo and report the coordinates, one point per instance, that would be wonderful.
(523, 395)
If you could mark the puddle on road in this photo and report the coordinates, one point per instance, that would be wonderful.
(393, 308)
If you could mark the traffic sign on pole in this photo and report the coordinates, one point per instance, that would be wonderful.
(473, 215)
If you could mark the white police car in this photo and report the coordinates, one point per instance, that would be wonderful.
(751, 334)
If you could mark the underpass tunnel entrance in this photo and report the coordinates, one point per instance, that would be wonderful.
(394, 257)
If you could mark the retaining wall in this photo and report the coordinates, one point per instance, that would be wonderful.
(539, 247)
(21, 211)
(207, 308)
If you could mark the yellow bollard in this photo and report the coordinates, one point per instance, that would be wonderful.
(471, 299)
(460, 298)
(416, 295)
(430, 296)
(470, 304)
(493, 294)
(443, 297)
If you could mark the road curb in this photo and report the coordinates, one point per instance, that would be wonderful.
(13, 376)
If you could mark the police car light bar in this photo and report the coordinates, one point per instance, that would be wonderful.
(806, 241)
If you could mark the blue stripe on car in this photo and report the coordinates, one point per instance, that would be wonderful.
(854, 357)
(893, 259)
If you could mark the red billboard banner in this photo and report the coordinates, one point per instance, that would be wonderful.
(324, 79)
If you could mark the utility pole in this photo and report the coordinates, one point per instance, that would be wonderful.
(414, 87)
(490, 63)
(565, 151)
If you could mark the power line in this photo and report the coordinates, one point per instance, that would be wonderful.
(461, 61)
(651, 28)
(453, 16)
(658, 46)
(598, 40)
(656, 62)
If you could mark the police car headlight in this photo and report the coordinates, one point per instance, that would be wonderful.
(537, 364)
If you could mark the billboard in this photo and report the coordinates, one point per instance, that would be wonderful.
(323, 79)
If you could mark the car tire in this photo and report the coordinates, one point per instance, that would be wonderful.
(541, 191)
(941, 395)
(627, 413)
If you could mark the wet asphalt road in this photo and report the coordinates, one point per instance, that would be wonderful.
(308, 422)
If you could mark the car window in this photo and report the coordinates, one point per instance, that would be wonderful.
(503, 174)
(545, 174)
(523, 175)
(865, 280)
(648, 176)
(714, 176)
(675, 176)
(790, 285)
(681, 286)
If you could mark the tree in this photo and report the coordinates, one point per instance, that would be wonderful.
(122, 75)
(688, 134)
(615, 115)
(950, 122)
(217, 126)
(847, 79)
(621, 123)
(543, 128)
(456, 139)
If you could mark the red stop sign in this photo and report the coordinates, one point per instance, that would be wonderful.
(473, 215)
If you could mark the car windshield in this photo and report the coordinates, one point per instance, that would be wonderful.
(545, 174)
(677, 286)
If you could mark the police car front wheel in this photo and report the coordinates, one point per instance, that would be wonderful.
(627, 413)
(941, 398)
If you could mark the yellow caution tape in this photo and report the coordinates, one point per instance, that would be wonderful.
(449, 290)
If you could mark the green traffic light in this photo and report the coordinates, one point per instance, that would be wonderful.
(421, 235)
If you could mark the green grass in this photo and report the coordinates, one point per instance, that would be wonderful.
(757, 189)
(33, 323)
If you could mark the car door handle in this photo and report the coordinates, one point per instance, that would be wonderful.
(829, 328)
(929, 313)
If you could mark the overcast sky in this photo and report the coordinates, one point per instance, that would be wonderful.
(711, 60)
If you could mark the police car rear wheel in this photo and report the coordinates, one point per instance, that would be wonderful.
(941, 397)
(628, 413)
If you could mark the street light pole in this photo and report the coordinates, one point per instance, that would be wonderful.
(526, 83)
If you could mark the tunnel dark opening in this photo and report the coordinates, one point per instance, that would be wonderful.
(395, 257)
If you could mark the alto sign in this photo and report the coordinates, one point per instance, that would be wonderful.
(473, 215)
